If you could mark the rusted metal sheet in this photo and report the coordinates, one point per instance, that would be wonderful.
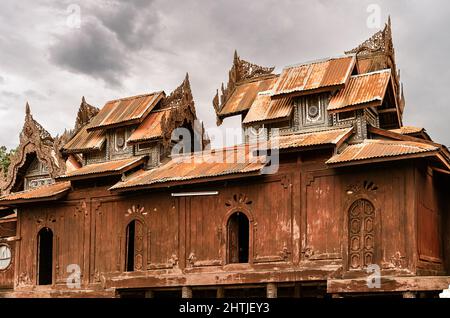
(371, 148)
(362, 89)
(314, 75)
(47, 191)
(227, 161)
(125, 111)
(332, 137)
(85, 141)
(244, 94)
(150, 128)
(408, 130)
(265, 108)
(111, 167)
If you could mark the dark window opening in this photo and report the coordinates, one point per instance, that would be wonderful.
(45, 256)
(347, 115)
(130, 246)
(238, 238)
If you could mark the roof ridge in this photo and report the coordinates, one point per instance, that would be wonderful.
(386, 70)
(320, 60)
(134, 96)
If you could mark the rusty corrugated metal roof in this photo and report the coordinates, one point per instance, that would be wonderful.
(265, 108)
(197, 166)
(314, 75)
(407, 130)
(44, 192)
(244, 94)
(109, 167)
(85, 141)
(362, 89)
(374, 148)
(150, 128)
(129, 110)
(331, 136)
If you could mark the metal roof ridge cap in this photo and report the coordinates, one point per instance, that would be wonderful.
(133, 97)
(386, 70)
(406, 143)
(320, 60)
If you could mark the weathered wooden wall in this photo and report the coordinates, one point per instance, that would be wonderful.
(298, 221)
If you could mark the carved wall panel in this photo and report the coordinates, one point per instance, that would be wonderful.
(361, 234)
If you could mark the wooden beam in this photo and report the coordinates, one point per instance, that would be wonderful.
(389, 284)
(389, 110)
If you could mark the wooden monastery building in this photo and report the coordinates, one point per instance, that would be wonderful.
(357, 205)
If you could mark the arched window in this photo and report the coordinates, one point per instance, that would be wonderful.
(238, 238)
(361, 234)
(135, 247)
(45, 257)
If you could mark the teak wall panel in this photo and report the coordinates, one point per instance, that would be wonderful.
(68, 238)
(271, 207)
(105, 244)
(205, 230)
(322, 239)
(162, 222)
(428, 217)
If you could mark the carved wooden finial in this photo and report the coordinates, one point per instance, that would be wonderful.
(27, 109)
(240, 71)
(85, 113)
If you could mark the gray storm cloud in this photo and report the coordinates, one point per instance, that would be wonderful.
(125, 48)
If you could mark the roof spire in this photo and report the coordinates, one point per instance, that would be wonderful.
(27, 109)
(236, 56)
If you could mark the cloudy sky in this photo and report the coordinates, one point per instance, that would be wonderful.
(54, 52)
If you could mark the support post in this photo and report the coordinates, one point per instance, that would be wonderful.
(186, 292)
(149, 294)
(220, 292)
(409, 295)
(271, 290)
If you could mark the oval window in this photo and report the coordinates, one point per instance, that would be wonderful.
(5, 257)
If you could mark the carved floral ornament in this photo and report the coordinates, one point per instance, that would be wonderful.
(136, 210)
(361, 187)
(182, 110)
(34, 139)
(238, 200)
(239, 72)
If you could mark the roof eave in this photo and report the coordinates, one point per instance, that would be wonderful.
(174, 183)
(54, 197)
(104, 173)
(298, 93)
(354, 162)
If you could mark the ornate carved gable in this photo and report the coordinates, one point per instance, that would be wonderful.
(181, 103)
(379, 42)
(85, 114)
(377, 53)
(35, 142)
(240, 71)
